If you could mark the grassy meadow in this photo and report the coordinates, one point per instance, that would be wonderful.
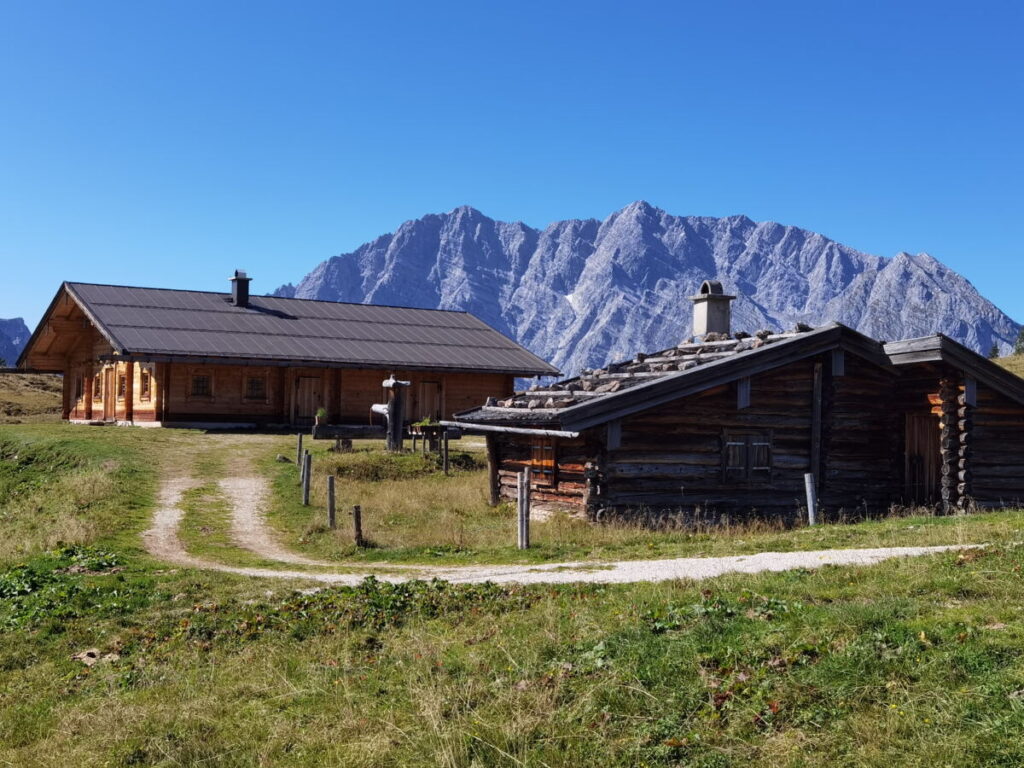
(29, 398)
(915, 662)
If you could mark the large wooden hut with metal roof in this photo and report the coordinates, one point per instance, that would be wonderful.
(730, 424)
(154, 356)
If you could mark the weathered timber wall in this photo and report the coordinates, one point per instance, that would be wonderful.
(861, 440)
(672, 456)
(513, 455)
(996, 450)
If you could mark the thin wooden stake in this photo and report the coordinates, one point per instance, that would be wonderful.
(444, 449)
(298, 452)
(357, 525)
(812, 499)
(307, 463)
(524, 509)
(331, 521)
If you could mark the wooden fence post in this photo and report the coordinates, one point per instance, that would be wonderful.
(524, 509)
(298, 452)
(307, 463)
(357, 525)
(331, 522)
(812, 499)
(444, 449)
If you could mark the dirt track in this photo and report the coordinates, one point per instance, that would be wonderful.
(249, 530)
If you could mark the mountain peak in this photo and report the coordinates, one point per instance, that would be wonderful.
(584, 293)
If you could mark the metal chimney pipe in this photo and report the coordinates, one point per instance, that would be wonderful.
(240, 289)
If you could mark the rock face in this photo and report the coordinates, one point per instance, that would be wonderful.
(582, 293)
(13, 338)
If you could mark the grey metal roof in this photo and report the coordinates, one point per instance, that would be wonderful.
(171, 323)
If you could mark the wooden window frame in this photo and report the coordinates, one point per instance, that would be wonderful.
(192, 394)
(748, 471)
(145, 385)
(122, 386)
(97, 388)
(79, 387)
(544, 462)
(247, 395)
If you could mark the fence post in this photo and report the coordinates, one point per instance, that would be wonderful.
(307, 463)
(444, 449)
(298, 451)
(812, 499)
(331, 522)
(357, 525)
(524, 509)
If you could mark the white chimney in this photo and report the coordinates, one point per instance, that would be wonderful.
(711, 310)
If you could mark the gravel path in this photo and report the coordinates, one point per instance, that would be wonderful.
(162, 541)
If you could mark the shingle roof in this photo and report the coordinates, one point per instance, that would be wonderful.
(598, 396)
(172, 323)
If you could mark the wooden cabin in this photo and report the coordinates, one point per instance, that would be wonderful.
(148, 356)
(730, 425)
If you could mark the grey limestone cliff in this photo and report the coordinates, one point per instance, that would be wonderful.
(581, 293)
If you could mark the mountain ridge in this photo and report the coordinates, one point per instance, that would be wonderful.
(14, 335)
(581, 292)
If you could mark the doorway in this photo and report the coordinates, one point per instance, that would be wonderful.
(923, 460)
(307, 399)
(429, 402)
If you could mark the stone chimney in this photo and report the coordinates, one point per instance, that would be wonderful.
(240, 289)
(711, 310)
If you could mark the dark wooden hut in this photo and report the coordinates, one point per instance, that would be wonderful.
(730, 425)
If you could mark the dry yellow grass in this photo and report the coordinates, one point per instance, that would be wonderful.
(29, 397)
(1013, 363)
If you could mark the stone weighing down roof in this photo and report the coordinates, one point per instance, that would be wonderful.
(559, 403)
(597, 397)
(161, 323)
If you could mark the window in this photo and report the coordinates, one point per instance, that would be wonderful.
(122, 387)
(255, 388)
(145, 386)
(201, 386)
(78, 387)
(542, 462)
(747, 457)
(97, 387)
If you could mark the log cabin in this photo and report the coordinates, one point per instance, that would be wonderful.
(730, 424)
(152, 357)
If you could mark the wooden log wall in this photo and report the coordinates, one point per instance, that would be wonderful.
(995, 450)
(949, 441)
(513, 454)
(672, 457)
(861, 442)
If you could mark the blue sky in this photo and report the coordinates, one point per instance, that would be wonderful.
(167, 143)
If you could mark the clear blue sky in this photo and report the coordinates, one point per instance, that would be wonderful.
(167, 143)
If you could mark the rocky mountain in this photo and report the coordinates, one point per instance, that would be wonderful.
(583, 293)
(13, 338)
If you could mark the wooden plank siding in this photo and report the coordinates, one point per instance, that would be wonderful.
(996, 460)
(861, 439)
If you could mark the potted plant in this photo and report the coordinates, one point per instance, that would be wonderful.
(321, 416)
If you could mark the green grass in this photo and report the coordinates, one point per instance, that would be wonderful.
(414, 514)
(910, 662)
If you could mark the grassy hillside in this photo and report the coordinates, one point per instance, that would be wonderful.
(1013, 363)
(25, 398)
(910, 663)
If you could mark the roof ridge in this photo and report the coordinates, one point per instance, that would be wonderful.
(268, 296)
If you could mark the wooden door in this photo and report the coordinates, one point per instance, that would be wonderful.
(428, 405)
(923, 460)
(308, 398)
